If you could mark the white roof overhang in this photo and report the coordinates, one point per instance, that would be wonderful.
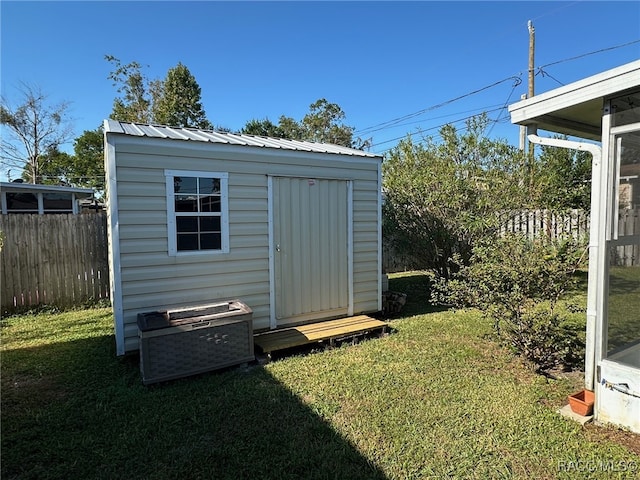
(35, 188)
(576, 109)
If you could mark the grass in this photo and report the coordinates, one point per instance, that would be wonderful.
(624, 306)
(435, 399)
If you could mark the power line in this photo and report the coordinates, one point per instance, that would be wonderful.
(544, 73)
(504, 107)
(396, 121)
(434, 128)
(477, 110)
(420, 112)
(590, 53)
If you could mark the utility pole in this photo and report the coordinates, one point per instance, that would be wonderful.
(531, 93)
(532, 48)
(523, 129)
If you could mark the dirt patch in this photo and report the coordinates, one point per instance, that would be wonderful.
(25, 392)
(624, 438)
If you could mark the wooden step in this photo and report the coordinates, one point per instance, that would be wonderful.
(317, 332)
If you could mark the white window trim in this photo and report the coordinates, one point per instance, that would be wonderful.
(171, 214)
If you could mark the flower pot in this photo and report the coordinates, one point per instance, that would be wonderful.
(582, 402)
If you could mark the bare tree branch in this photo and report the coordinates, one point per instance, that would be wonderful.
(36, 127)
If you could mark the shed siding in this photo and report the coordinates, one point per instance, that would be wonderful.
(151, 279)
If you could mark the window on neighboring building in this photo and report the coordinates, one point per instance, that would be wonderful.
(57, 202)
(197, 212)
(19, 202)
(38, 202)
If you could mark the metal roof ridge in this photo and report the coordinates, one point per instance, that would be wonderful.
(212, 136)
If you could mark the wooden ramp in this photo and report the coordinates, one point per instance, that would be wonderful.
(317, 332)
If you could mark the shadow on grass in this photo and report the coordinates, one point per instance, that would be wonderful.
(75, 410)
(417, 287)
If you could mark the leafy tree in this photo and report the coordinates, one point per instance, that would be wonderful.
(36, 130)
(179, 101)
(441, 198)
(85, 168)
(323, 123)
(563, 178)
(88, 166)
(262, 128)
(292, 129)
(134, 104)
(54, 170)
(174, 101)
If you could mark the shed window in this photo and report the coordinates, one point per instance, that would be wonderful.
(197, 212)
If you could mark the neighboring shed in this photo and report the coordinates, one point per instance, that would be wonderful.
(19, 197)
(606, 108)
(292, 229)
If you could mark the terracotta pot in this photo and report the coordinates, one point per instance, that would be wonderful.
(582, 402)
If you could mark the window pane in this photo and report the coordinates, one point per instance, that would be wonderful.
(210, 224)
(209, 185)
(187, 224)
(185, 184)
(210, 204)
(626, 109)
(187, 241)
(57, 201)
(210, 241)
(22, 201)
(186, 203)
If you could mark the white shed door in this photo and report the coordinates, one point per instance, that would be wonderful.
(311, 249)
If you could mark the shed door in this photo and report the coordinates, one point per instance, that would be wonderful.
(311, 249)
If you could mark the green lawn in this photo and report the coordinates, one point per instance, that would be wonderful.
(437, 398)
(624, 306)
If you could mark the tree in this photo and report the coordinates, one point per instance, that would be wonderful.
(54, 171)
(262, 128)
(323, 123)
(88, 166)
(563, 178)
(85, 168)
(179, 102)
(37, 129)
(135, 103)
(441, 198)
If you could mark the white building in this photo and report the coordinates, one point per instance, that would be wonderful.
(604, 108)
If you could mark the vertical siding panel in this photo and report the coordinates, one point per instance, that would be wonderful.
(307, 257)
(324, 268)
(314, 267)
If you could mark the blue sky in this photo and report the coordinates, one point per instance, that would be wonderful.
(379, 61)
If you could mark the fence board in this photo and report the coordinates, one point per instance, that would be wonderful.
(543, 223)
(59, 259)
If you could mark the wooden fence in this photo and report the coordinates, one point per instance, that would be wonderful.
(627, 245)
(59, 260)
(544, 223)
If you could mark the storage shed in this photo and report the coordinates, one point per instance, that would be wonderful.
(604, 108)
(291, 228)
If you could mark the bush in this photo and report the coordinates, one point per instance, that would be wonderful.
(519, 283)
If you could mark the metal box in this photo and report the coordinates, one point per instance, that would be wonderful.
(188, 341)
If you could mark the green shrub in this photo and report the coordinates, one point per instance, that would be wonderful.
(519, 283)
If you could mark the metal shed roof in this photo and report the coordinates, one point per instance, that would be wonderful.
(199, 135)
(576, 109)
